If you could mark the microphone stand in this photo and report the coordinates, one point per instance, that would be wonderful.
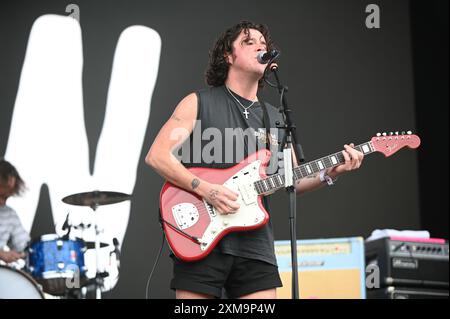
(289, 146)
(98, 276)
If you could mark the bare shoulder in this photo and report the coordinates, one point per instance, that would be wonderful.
(186, 110)
(177, 128)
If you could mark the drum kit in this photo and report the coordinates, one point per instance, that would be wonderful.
(55, 266)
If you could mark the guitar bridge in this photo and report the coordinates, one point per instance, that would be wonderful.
(186, 215)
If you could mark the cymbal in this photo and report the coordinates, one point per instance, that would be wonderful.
(95, 198)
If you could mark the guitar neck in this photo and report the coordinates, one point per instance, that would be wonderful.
(277, 181)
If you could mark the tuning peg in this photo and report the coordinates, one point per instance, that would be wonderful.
(396, 133)
(391, 133)
(378, 134)
(403, 132)
(409, 132)
(384, 134)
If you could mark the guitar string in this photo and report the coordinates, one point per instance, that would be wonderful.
(203, 209)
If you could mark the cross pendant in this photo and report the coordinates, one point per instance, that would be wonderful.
(246, 113)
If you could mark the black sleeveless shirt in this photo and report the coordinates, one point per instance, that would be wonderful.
(222, 137)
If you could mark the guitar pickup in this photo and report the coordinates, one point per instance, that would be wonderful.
(248, 193)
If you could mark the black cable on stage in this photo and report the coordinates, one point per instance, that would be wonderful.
(154, 266)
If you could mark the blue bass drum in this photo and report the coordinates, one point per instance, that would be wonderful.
(57, 263)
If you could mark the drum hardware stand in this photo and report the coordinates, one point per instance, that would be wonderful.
(96, 283)
(98, 276)
(67, 226)
(93, 200)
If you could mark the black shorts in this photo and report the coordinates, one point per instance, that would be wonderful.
(238, 276)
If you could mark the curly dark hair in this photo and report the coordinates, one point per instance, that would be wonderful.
(217, 70)
(7, 170)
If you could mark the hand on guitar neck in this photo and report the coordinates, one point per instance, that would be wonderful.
(353, 160)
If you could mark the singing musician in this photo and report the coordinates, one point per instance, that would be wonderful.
(243, 263)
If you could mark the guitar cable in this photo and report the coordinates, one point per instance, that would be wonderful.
(193, 238)
(161, 221)
(154, 266)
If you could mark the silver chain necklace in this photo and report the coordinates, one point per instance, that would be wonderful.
(246, 113)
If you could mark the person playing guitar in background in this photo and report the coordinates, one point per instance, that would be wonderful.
(243, 263)
(12, 233)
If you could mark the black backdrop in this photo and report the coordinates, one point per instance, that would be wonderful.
(346, 83)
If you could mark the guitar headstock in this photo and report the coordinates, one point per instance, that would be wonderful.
(390, 143)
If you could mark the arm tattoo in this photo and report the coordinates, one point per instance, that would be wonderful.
(195, 183)
(176, 118)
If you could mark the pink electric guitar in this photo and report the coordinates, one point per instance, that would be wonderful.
(193, 227)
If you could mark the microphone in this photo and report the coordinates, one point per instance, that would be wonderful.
(264, 57)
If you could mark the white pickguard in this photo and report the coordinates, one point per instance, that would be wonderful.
(249, 213)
